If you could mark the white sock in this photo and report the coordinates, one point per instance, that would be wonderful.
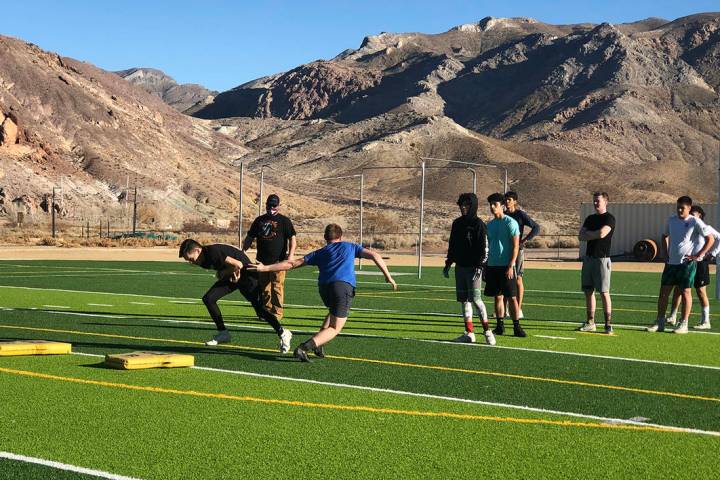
(673, 314)
(705, 314)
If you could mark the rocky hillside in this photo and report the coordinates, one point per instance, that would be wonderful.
(179, 96)
(567, 109)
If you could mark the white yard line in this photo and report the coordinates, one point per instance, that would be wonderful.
(100, 305)
(554, 338)
(141, 303)
(441, 397)
(56, 306)
(64, 466)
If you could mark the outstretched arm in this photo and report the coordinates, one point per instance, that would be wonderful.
(375, 257)
(283, 266)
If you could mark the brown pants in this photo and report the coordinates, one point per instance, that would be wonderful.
(272, 290)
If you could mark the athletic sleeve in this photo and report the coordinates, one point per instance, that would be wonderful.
(534, 227)
(701, 228)
(215, 259)
(289, 228)
(482, 243)
(310, 258)
(450, 259)
(253, 232)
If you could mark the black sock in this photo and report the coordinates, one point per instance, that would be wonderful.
(308, 345)
(516, 323)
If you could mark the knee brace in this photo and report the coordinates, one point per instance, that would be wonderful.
(467, 310)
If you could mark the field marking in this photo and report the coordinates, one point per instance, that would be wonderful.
(554, 337)
(393, 363)
(342, 407)
(100, 305)
(64, 466)
(56, 306)
(433, 397)
(184, 302)
(141, 303)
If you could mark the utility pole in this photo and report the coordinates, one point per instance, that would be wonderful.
(134, 220)
(422, 217)
(52, 212)
(240, 209)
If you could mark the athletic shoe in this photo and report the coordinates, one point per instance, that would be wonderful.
(587, 327)
(702, 326)
(609, 330)
(319, 351)
(671, 320)
(467, 337)
(656, 327)
(301, 355)
(682, 327)
(222, 337)
(519, 332)
(499, 328)
(489, 338)
(285, 340)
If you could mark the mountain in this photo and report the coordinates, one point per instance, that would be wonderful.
(179, 96)
(632, 109)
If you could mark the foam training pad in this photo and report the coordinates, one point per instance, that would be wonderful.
(33, 347)
(138, 360)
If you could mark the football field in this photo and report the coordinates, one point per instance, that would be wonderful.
(393, 399)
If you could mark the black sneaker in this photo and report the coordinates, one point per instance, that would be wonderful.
(500, 328)
(301, 355)
(519, 332)
(319, 351)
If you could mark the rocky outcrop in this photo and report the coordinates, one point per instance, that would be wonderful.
(179, 96)
(8, 130)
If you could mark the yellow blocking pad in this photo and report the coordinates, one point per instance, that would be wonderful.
(138, 360)
(34, 347)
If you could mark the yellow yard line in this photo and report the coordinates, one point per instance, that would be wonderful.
(351, 408)
(438, 368)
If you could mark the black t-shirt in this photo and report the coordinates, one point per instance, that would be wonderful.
(523, 220)
(273, 234)
(213, 258)
(599, 248)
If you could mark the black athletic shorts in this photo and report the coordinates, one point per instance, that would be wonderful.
(337, 297)
(497, 283)
(702, 274)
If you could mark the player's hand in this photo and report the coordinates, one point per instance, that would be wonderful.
(446, 271)
(510, 273)
(235, 276)
(478, 274)
(255, 267)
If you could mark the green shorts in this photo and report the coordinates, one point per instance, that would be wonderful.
(682, 275)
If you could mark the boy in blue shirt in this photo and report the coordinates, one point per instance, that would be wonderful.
(501, 279)
(336, 284)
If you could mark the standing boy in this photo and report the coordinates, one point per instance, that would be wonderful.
(336, 282)
(501, 280)
(702, 276)
(682, 233)
(467, 249)
(523, 220)
(230, 264)
(276, 242)
(597, 231)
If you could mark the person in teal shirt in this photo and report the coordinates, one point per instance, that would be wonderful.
(501, 279)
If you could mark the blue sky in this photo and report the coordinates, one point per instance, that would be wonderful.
(221, 44)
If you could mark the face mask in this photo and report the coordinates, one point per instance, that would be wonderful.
(272, 210)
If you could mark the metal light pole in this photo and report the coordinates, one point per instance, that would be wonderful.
(362, 189)
(422, 217)
(474, 174)
(262, 184)
(52, 212)
(134, 209)
(717, 224)
(240, 209)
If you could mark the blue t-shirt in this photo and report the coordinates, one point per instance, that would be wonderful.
(500, 233)
(336, 262)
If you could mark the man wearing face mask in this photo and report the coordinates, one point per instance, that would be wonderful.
(276, 242)
(467, 249)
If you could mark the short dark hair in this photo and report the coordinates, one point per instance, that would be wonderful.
(496, 197)
(698, 209)
(187, 245)
(684, 200)
(333, 232)
(602, 194)
(512, 195)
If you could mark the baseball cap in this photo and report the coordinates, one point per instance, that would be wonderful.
(272, 201)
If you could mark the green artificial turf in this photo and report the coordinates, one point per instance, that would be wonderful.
(19, 470)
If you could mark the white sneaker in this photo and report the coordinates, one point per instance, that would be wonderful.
(656, 327)
(222, 337)
(671, 320)
(682, 327)
(489, 337)
(467, 337)
(702, 326)
(588, 327)
(285, 340)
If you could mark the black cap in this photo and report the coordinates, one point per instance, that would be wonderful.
(272, 201)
